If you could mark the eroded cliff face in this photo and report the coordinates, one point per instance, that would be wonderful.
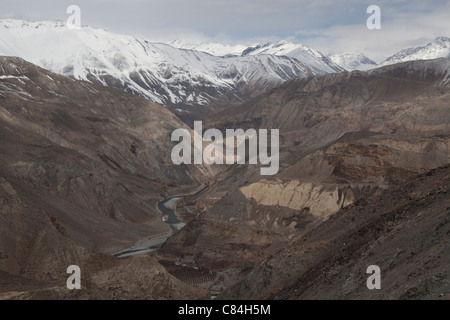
(321, 200)
(330, 179)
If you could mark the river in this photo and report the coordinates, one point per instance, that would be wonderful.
(167, 208)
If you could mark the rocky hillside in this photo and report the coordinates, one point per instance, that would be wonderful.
(404, 231)
(82, 167)
(344, 137)
(403, 98)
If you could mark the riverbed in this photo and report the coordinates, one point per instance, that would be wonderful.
(167, 208)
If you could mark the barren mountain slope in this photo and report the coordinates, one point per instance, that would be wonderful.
(344, 137)
(407, 97)
(82, 167)
(404, 231)
(35, 251)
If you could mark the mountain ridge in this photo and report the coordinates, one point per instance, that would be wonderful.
(438, 48)
(351, 61)
(176, 78)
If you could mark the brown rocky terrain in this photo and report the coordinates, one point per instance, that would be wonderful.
(81, 169)
(404, 231)
(100, 156)
(344, 137)
(36, 251)
(254, 220)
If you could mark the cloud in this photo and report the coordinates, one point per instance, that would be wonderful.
(399, 29)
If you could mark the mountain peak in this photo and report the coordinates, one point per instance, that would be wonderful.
(438, 48)
(353, 61)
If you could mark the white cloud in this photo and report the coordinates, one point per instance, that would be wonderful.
(399, 31)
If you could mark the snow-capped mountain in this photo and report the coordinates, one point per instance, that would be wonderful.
(176, 78)
(190, 82)
(353, 61)
(308, 56)
(313, 58)
(438, 48)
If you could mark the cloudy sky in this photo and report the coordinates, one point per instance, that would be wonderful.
(327, 25)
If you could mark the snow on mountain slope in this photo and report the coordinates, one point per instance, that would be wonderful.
(214, 48)
(353, 61)
(438, 48)
(310, 57)
(313, 58)
(170, 76)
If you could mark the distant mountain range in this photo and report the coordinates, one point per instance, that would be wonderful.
(319, 63)
(192, 79)
(345, 195)
(438, 48)
(186, 81)
(353, 61)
